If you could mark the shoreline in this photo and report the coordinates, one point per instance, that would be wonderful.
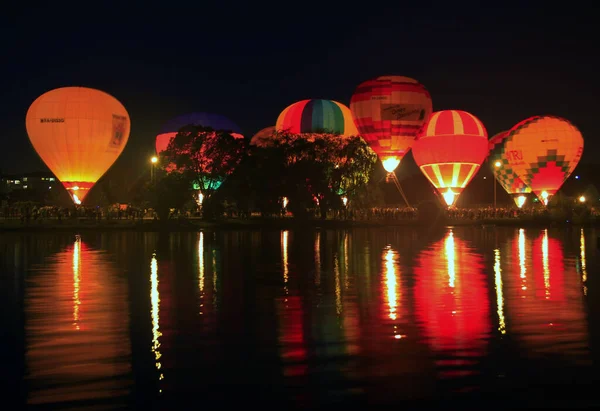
(268, 223)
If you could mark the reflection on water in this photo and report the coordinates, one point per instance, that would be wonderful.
(77, 329)
(499, 292)
(545, 308)
(452, 304)
(297, 319)
(155, 301)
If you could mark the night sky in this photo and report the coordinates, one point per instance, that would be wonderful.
(249, 62)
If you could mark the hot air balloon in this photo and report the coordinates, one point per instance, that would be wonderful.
(215, 121)
(317, 116)
(449, 151)
(543, 151)
(504, 172)
(79, 133)
(263, 137)
(388, 112)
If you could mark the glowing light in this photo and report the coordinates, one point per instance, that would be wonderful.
(390, 164)
(583, 263)
(345, 200)
(450, 258)
(499, 294)
(76, 280)
(522, 254)
(201, 268)
(284, 256)
(155, 303)
(449, 197)
(284, 201)
(582, 199)
(76, 199)
(545, 263)
(545, 197)
(497, 164)
(154, 160)
(520, 200)
(391, 282)
(200, 198)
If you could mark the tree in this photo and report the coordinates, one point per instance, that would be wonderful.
(203, 157)
(316, 168)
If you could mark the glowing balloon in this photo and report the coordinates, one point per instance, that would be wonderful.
(388, 112)
(215, 121)
(317, 116)
(449, 151)
(263, 137)
(544, 151)
(504, 172)
(79, 133)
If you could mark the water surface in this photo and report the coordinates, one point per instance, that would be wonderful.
(300, 319)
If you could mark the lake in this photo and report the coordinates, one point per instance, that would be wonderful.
(301, 319)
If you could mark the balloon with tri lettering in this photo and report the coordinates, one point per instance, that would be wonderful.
(503, 171)
(79, 133)
(316, 116)
(544, 151)
(214, 121)
(388, 112)
(449, 150)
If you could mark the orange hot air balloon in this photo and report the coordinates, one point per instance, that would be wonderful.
(263, 138)
(388, 112)
(449, 151)
(79, 133)
(544, 151)
(506, 176)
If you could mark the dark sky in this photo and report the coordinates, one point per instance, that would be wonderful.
(249, 61)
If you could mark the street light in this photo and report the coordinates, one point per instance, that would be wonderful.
(153, 161)
(497, 164)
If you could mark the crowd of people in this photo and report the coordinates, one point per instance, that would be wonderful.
(32, 213)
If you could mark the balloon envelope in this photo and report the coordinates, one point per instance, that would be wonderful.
(449, 151)
(544, 151)
(503, 171)
(215, 121)
(79, 133)
(263, 137)
(317, 116)
(388, 112)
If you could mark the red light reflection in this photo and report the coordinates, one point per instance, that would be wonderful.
(451, 300)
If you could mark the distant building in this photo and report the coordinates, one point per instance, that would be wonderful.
(33, 181)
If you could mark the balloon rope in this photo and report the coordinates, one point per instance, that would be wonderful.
(395, 178)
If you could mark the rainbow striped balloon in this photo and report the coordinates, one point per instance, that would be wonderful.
(317, 116)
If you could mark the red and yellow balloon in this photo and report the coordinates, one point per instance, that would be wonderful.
(79, 133)
(544, 151)
(449, 150)
(388, 112)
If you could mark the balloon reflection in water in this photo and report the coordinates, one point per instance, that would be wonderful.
(77, 329)
(391, 285)
(544, 302)
(452, 301)
(290, 312)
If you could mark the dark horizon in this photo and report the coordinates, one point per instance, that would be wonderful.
(250, 63)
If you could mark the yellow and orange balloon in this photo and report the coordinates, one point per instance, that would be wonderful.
(79, 133)
(543, 151)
